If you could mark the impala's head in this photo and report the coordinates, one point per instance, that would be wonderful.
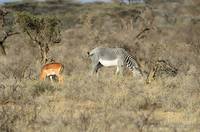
(51, 70)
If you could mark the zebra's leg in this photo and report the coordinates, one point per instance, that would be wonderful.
(117, 71)
(95, 64)
(120, 68)
(96, 67)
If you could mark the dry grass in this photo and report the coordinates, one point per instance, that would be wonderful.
(108, 102)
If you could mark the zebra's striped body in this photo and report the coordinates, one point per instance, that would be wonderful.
(113, 57)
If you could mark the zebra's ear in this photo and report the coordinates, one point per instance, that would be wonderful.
(88, 54)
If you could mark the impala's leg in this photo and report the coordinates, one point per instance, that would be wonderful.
(42, 76)
(51, 78)
(60, 79)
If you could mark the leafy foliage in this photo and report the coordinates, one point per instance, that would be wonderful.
(40, 29)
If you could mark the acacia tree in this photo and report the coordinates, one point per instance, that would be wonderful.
(43, 31)
(130, 1)
(118, 1)
(4, 32)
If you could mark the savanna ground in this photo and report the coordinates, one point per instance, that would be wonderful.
(154, 31)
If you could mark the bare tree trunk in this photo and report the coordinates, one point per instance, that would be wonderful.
(41, 53)
(44, 49)
(2, 49)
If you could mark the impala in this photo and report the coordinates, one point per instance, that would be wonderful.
(52, 69)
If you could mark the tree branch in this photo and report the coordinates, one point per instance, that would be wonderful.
(143, 31)
(8, 34)
(32, 38)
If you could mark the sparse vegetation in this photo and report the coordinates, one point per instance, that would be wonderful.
(41, 30)
(149, 32)
(39, 89)
(6, 30)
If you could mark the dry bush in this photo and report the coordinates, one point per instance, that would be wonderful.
(17, 107)
(39, 89)
(106, 102)
(8, 119)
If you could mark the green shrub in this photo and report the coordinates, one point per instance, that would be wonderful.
(41, 88)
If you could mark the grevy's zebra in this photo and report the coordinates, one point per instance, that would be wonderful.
(113, 57)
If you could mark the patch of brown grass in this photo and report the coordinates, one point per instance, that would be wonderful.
(108, 102)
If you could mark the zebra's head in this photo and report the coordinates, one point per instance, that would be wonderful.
(137, 72)
(89, 54)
